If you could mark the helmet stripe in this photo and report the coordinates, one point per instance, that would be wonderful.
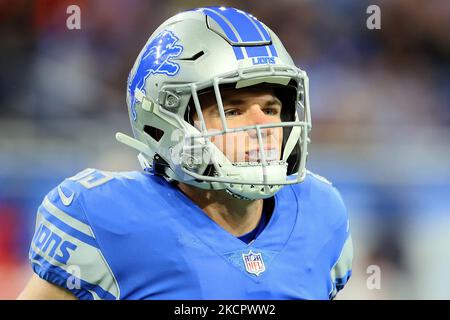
(264, 33)
(273, 51)
(249, 29)
(226, 28)
(260, 27)
(259, 51)
(241, 22)
(246, 29)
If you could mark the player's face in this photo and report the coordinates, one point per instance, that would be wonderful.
(245, 107)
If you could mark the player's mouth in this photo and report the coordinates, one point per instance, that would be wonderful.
(270, 154)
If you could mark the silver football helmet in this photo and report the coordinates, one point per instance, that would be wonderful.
(208, 49)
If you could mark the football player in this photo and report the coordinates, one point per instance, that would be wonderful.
(224, 207)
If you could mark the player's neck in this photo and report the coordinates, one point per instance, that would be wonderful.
(234, 215)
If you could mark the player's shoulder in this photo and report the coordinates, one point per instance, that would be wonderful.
(96, 182)
(92, 189)
(321, 181)
(315, 185)
(319, 192)
(324, 188)
(96, 179)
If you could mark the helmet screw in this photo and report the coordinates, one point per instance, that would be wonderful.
(172, 101)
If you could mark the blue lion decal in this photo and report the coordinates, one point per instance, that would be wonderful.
(156, 58)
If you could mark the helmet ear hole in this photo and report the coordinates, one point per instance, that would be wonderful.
(154, 132)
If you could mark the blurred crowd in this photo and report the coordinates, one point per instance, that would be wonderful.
(380, 109)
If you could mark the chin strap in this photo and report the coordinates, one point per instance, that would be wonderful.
(145, 164)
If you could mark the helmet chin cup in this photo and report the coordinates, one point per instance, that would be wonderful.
(274, 171)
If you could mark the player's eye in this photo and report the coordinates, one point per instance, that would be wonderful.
(232, 112)
(272, 111)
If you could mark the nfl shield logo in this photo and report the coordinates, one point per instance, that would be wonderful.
(254, 263)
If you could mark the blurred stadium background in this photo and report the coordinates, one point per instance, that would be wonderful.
(380, 107)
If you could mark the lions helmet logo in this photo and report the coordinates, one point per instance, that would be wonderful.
(156, 58)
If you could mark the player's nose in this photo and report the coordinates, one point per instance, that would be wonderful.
(256, 116)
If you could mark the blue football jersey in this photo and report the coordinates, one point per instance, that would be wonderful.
(134, 235)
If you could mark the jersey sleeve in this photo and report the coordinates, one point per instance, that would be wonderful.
(342, 268)
(64, 249)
